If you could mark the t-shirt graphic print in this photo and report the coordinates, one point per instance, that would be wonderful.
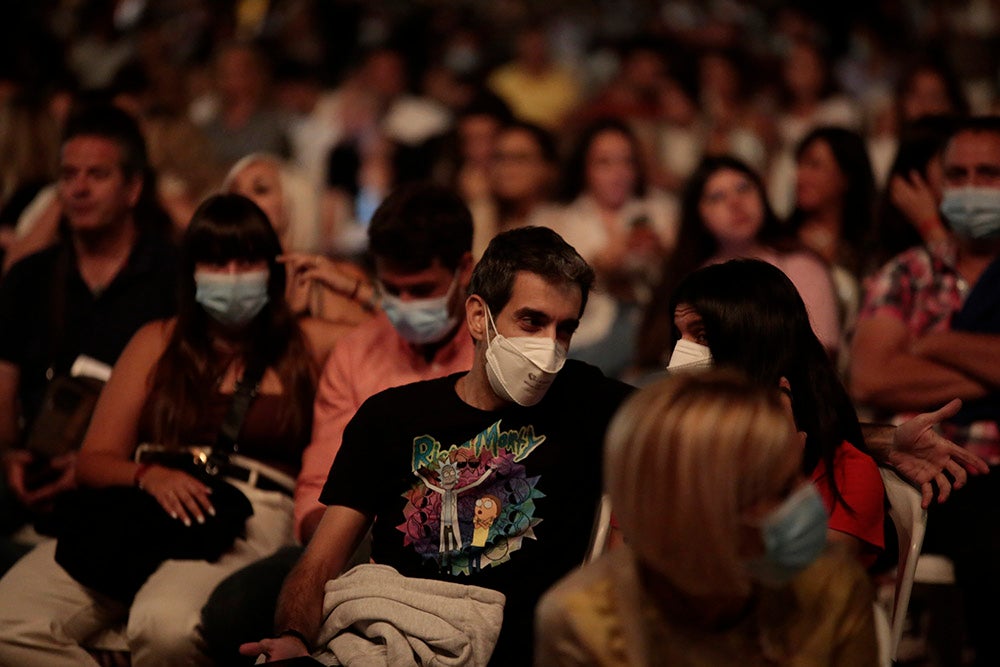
(472, 504)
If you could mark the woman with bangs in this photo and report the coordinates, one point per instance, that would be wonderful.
(173, 386)
(724, 561)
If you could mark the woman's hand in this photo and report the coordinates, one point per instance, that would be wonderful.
(305, 268)
(915, 199)
(16, 463)
(181, 495)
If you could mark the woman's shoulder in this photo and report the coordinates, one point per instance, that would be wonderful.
(851, 464)
(802, 260)
(835, 576)
(849, 454)
(153, 336)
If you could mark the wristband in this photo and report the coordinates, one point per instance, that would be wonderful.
(140, 472)
(291, 632)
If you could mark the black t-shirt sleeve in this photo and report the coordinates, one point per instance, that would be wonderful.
(354, 477)
(603, 396)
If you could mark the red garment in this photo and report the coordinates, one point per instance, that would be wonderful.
(861, 488)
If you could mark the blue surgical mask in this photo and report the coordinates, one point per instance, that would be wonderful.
(232, 299)
(421, 321)
(973, 212)
(794, 535)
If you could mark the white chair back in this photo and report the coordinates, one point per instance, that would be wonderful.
(601, 534)
(910, 520)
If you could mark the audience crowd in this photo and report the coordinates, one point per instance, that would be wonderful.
(485, 224)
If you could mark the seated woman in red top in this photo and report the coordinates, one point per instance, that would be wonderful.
(747, 314)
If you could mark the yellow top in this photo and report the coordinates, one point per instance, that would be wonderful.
(543, 99)
(599, 615)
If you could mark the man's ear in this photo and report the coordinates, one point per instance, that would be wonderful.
(475, 317)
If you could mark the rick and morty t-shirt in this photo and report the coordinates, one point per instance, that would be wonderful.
(502, 499)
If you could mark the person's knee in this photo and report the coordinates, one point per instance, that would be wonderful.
(157, 637)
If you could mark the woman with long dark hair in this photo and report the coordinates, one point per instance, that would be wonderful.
(834, 196)
(623, 229)
(747, 314)
(173, 386)
(725, 215)
(908, 209)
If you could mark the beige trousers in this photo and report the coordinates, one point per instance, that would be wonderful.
(46, 616)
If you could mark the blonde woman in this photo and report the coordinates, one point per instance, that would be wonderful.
(336, 291)
(724, 560)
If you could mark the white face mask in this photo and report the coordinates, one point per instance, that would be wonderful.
(521, 369)
(690, 356)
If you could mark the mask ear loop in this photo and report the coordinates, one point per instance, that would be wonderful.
(489, 322)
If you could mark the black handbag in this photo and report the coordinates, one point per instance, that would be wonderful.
(60, 425)
(112, 539)
(64, 414)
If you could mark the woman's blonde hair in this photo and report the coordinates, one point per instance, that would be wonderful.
(684, 458)
(300, 201)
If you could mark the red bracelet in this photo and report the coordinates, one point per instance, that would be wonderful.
(140, 472)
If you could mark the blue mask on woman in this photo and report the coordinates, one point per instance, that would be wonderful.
(794, 535)
(421, 321)
(232, 299)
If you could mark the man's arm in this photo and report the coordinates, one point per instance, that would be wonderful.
(976, 355)
(885, 374)
(10, 379)
(300, 604)
(14, 461)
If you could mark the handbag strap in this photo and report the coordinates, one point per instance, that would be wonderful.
(55, 338)
(243, 396)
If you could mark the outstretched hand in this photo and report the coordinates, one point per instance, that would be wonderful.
(923, 456)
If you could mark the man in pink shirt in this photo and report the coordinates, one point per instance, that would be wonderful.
(420, 239)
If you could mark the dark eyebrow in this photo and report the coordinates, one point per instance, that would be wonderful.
(533, 313)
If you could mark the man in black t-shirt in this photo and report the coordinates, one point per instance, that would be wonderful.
(489, 478)
(113, 271)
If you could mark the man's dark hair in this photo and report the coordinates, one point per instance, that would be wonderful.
(114, 124)
(989, 124)
(537, 250)
(419, 223)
